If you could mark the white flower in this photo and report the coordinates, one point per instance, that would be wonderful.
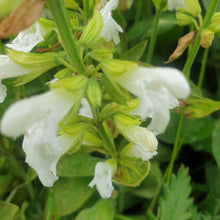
(8, 69)
(28, 39)
(103, 178)
(110, 27)
(143, 142)
(3, 93)
(158, 90)
(175, 4)
(38, 117)
(191, 7)
(85, 109)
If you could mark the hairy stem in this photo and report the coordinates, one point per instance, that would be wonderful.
(153, 36)
(60, 16)
(202, 70)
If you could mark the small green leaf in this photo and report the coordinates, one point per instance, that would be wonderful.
(132, 171)
(77, 165)
(198, 107)
(100, 55)
(175, 200)
(71, 193)
(103, 209)
(118, 94)
(5, 180)
(7, 210)
(149, 185)
(216, 143)
(92, 30)
(35, 62)
(136, 52)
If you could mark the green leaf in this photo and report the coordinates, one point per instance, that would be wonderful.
(216, 143)
(7, 210)
(132, 171)
(136, 52)
(145, 27)
(198, 107)
(103, 209)
(92, 30)
(118, 94)
(71, 193)
(77, 165)
(31, 175)
(192, 130)
(35, 62)
(212, 174)
(175, 200)
(149, 185)
(5, 180)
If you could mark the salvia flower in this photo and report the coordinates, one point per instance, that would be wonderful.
(143, 142)
(157, 88)
(28, 39)
(103, 177)
(37, 118)
(110, 27)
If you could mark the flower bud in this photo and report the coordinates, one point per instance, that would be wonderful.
(207, 38)
(92, 30)
(94, 96)
(215, 23)
(184, 19)
(36, 63)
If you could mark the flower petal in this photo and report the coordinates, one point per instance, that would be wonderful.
(103, 179)
(85, 109)
(21, 115)
(3, 92)
(110, 27)
(27, 39)
(158, 90)
(9, 69)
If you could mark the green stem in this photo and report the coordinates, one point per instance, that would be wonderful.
(186, 70)
(153, 36)
(1, 48)
(86, 10)
(14, 191)
(195, 48)
(210, 11)
(60, 16)
(139, 6)
(108, 142)
(175, 149)
(157, 192)
(192, 55)
(202, 70)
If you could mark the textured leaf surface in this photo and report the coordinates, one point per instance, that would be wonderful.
(175, 200)
(77, 165)
(216, 143)
(7, 210)
(103, 209)
(71, 193)
(132, 171)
